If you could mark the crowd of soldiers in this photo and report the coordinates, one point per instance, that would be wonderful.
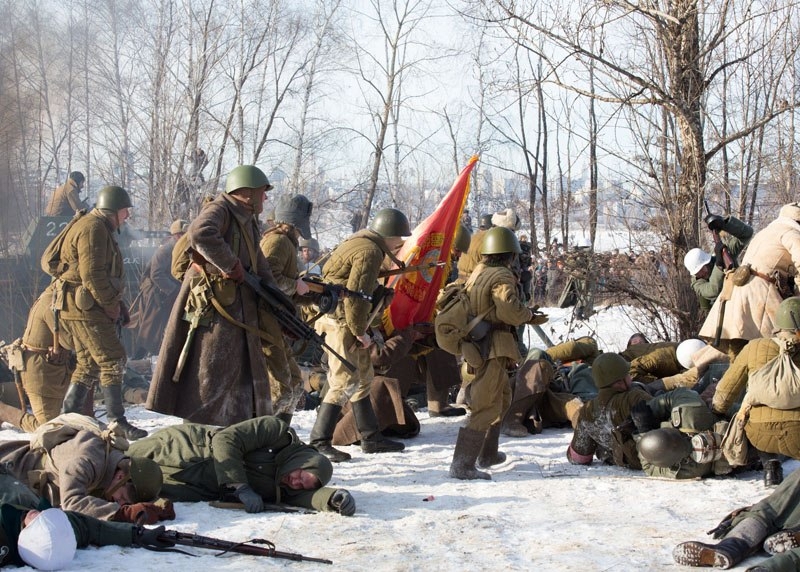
(220, 298)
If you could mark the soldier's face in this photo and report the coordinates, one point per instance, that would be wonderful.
(300, 480)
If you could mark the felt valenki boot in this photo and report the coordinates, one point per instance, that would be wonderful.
(489, 455)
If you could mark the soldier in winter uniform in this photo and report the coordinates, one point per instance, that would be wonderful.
(253, 461)
(355, 264)
(35, 534)
(279, 245)
(599, 431)
(493, 292)
(92, 286)
(45, 371)
(772, 523)
(83, 473)
(770, 430)
(766, 278)
(211, 367)
(707, 271)
(157, 294)
(66, 199)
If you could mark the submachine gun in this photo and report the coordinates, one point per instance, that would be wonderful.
(283, 309)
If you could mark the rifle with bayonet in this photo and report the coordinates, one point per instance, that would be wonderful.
(173, 537)
(282, 308)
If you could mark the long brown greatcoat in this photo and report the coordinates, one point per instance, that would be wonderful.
(81, 468)
(225, 377)
(750, 312)
(157, 293)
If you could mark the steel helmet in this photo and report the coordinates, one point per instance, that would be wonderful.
(113, 198)
(664, 447)
(77, 176)
(462, 238)
(390, 222)
(310, 243)
(486, 222)
(146, 477)
(608, 368)
(246, 177)
(500, 240)
(686, 350)
(695, 259)
(788, 315)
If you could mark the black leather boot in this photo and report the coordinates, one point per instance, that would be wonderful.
(75, 398)
(112, 396)
(285, 417)
(725, 554)
(372, 440)
(773, 473)
(322, 432)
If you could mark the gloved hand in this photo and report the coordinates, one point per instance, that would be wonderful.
(166, 509)
(138, 513)
(343, 502)
(714, 222)
(149, 537)
(251, 500)
(236, 273)
(537, 318)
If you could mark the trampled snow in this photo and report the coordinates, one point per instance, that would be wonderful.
(538, 513)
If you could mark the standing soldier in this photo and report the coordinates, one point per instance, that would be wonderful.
(66, 199)
(493, 291)
(44, 369)
(92, 285)
(211, 368)
(309, 253)
(279, 244)
(157, 293)
(355, 264)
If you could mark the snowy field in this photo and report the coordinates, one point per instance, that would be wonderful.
(538, 513)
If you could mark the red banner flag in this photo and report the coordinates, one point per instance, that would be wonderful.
(431, 241)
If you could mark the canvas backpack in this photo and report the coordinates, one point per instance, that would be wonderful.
(51, 257)
(66, 426)
(776, 384)
(454, 319)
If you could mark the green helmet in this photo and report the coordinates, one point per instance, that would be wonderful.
(608, 368)
(664, 447)
(486, 222)
(146, 477)
(788, 315)
(246, 177)
(462, 239)
(500, 240)
(390, 222)
(113, 198)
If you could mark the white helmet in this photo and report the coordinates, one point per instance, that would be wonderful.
(695, 259)
(686, 349)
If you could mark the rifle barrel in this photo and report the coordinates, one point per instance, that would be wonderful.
(198, 541)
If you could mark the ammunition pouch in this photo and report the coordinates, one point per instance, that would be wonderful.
(224, 290)
(83, 299)
(14, 355)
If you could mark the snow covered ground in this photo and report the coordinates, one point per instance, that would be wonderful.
(538, 513)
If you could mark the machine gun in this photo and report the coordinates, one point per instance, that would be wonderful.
(283, 309)
(173, 537)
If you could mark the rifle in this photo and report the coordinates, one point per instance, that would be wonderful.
(188, 539)
(283, 310)
(268, 507)
(407, 269)
(542, 334)
(728, 261)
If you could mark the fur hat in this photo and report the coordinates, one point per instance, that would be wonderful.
(792, 211)
(48, 543)
(507, 218)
